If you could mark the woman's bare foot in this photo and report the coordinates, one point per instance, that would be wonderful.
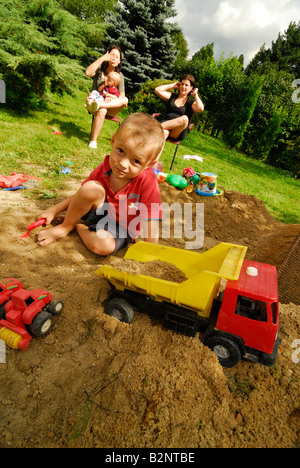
(50, 235)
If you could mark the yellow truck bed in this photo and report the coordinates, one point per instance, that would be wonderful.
(203, 272)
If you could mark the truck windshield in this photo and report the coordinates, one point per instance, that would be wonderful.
(251, 309)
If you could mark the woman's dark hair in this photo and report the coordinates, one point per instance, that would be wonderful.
(105, 64)
(191, 79)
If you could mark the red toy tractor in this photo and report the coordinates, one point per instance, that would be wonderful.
(25, 314)
(7, 288)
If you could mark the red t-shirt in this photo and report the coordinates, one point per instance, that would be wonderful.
(139, 200)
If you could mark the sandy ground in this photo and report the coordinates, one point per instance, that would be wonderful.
(95, 382)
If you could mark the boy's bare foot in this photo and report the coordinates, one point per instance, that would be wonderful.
(50, 235)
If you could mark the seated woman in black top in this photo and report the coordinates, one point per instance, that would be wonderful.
(180, 107)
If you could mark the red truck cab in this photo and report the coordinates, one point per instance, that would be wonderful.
(249, 312)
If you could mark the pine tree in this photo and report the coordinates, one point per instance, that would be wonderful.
(145, 37)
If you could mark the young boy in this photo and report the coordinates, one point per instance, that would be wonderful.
(123, 186)
(107, 90)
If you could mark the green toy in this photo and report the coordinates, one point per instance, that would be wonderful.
(177, 181)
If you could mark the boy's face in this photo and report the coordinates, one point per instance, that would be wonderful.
(130, 155)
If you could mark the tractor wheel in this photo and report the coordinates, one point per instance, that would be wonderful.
(226, 349)
(120, 309)
(41, 324)
(55, 307)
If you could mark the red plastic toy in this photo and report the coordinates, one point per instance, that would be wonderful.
(27, 314)
(8, 286)
(15, 179)
(34, 225)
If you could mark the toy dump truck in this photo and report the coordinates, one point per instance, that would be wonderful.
(239, 322)
(25, 315)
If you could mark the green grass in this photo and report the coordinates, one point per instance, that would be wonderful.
(28, 145)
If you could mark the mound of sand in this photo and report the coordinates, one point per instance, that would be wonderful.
(95, 382)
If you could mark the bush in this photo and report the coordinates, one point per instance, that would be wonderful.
(146, 100)
(31, 79)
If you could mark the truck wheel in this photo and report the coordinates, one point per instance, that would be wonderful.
(41, 324)
(120, 309)
(227, 350)
(55, 307)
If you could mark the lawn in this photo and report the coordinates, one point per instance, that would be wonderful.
(28, 145)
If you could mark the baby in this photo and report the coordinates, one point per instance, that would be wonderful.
(107, 90)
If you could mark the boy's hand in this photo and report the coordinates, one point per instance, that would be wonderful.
(48, 215)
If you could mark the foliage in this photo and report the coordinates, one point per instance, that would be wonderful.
(41, 47)
(235, 135)
(141, 30)
(92, 11)
(146, 100)
(283, 54)
(181, 48)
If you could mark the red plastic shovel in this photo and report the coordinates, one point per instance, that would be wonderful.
(34, 225)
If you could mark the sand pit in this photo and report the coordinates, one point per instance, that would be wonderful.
(95, 382)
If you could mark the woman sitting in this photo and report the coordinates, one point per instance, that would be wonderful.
(98, 70)
(180, 107)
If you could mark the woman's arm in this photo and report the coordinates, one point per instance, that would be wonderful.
(197, 105)
(92, 69)
(162, 91)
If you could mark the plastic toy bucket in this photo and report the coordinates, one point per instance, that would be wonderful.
(207, 184)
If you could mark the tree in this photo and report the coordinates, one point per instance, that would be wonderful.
(92, 11)
(181, 49)
(235, 135)
(41, 50)
(145, 37)
(205, 54)
(284, 54)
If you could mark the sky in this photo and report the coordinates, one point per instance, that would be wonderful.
(234, 26)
